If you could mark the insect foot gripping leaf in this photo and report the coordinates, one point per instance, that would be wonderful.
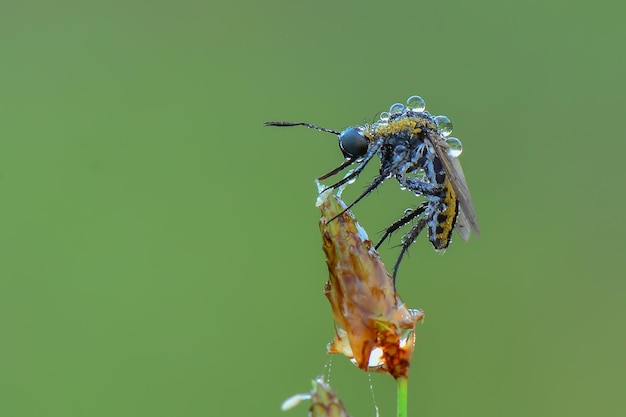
(373, 327)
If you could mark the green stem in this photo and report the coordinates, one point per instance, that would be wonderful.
(403, 385)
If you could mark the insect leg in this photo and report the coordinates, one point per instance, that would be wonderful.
(368, 157)
(373, 185)
(420, 187)
(401, 222)
(347, 162)
(407, 241)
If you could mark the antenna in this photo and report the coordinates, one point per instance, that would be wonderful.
(309, 125)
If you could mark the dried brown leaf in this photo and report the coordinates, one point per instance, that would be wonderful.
(373, 327)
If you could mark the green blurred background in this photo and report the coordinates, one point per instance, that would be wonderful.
(159, 251)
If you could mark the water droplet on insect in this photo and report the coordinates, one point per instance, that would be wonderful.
(384, 116)
(443, 124)
(396, 108)
(408, 211)
(455, 147)
(405, 239)
(416, 103)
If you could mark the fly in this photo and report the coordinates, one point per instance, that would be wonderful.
(414, 148)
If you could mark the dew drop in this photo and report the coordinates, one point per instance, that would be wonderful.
(408, 211)
(384, 116)
(455, 147)
(416, 103)
(406, 239)
(369, 376)
(444, 125)
(396, 108)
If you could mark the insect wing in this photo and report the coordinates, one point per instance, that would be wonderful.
(462, 225)
(467, 216)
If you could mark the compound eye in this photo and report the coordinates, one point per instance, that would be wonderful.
(352, 143)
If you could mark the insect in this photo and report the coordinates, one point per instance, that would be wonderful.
(414, 148)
